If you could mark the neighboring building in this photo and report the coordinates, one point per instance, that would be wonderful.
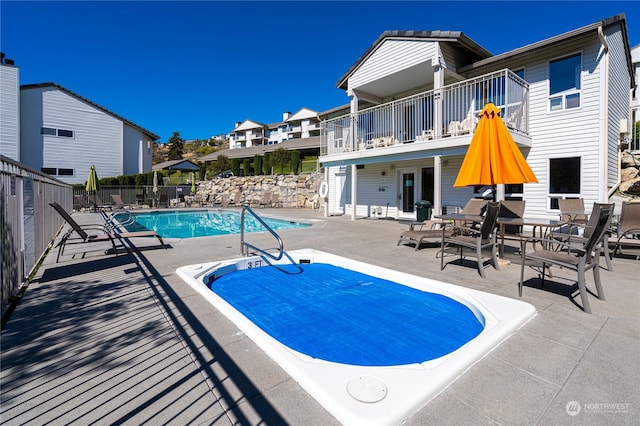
(9, 109)
(303, 124)
(564, 100)
(634, 137)
(180, 165)
(63, 134)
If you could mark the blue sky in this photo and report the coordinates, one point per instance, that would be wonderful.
(198, 67)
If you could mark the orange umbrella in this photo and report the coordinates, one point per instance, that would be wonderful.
(493, 156)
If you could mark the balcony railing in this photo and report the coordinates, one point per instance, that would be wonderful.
(450, 111)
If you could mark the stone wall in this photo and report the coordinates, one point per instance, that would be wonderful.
(630, 184)
(299, 191)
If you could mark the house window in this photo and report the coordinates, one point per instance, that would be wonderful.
(49, 170)
(564, 83)
(56, 132)
(65, 172)
(564, 179)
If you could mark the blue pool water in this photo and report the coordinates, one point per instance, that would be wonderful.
(343, 316)
(201, 223)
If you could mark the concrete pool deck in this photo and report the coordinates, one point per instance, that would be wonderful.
(123, 339)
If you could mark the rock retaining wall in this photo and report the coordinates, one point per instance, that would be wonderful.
(299, 191)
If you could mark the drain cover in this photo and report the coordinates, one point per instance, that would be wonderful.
(367, 389)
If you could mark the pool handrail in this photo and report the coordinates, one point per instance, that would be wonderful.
(245, 246)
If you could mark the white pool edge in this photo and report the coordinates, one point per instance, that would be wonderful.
(408, 388)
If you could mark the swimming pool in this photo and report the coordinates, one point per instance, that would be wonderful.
(199, 223)
(342, 370)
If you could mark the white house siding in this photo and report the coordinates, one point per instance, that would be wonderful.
(391, 57)
(97, 136)
(452, 57)
(138, 149)
(9, 112)
(619, 84)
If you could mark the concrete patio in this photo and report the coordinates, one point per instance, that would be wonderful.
(123, 340)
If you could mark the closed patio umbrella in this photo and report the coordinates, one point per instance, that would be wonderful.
(193, 183)
(93, 184)
(155, 186)
(493, 156)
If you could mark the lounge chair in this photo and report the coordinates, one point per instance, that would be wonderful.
(628, 227)
(98, 203)
(471, 238)
(474, 207)
(266, 199)
(118, 203)
(275, 200)
(81, 203)
(568, 256)
(429, 231)
(106, 234)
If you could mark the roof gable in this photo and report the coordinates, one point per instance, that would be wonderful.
(303, 114)
(248, 125)
(460, 40)
(93, 104)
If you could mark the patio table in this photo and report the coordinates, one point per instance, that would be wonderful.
(540, 227)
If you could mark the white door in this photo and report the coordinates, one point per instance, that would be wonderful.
(407, 193)
(339, 196)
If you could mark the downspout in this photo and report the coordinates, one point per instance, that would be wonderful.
(613, 189)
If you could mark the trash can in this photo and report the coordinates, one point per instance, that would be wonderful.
(423, 210)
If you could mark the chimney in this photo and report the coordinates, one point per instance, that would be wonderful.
(286, 115)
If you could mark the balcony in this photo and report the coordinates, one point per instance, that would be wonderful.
(432, 116)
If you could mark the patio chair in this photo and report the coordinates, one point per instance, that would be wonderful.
(572, 210)
(474, 207)
(430, 231)
(475, 239)
(579, 259)
(578, 233)
(628, 227)
(511, 209)
(106, 234)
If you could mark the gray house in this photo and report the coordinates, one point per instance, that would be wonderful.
(63, 133)
(415, 96)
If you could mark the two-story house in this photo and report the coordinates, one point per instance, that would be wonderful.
(415, 96)
(63, 134)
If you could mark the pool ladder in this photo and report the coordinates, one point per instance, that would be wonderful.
(264, 254)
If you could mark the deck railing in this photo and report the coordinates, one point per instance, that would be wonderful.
(27, 221)
(434, 114)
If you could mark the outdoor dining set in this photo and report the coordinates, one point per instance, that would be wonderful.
(574, 241)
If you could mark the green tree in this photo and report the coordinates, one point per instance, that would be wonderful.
(295, 161)
(246, 166)
(257, 164)
(280, 158)
(266, 164)
(176, 147)
(235, 166)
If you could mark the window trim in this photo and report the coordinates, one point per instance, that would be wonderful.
(560, 195)
(566, 93)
